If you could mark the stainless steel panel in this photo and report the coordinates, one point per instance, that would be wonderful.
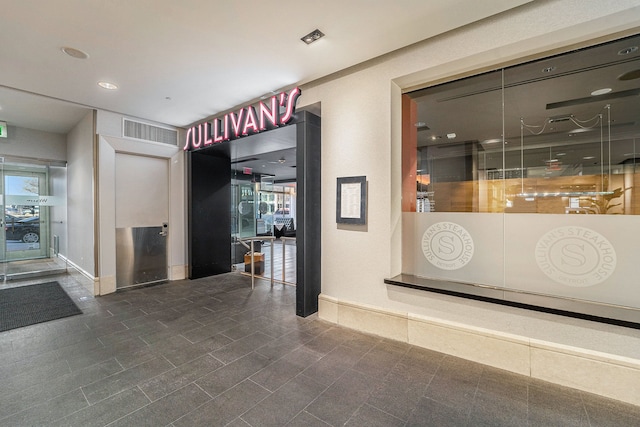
(141, 256)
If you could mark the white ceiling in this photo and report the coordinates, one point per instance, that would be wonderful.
(176, 62)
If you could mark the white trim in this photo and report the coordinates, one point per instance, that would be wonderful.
(77, 268)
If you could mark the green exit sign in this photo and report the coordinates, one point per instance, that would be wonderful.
(3, 130)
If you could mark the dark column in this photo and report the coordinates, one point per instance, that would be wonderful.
(209, 214)
(308, 231)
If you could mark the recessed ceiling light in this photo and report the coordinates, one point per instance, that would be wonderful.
(313, 36)
(588, 157)
(451, 135)
(491, 141)
(107, 85)
(560, 154)
(74, 53)
(628, 50)
(601, 91)
(548, 69)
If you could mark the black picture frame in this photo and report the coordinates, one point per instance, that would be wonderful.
(351, 200)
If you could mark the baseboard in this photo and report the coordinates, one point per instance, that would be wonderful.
(178, 272)
(77, 268)
(597, 372)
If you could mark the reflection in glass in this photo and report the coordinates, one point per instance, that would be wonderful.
(554, 136)
(22, 212)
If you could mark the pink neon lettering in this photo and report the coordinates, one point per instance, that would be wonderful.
(236, 120)
(197, 144)
(217, 138)
(266, 114)
(291, 102)
(244, 122)
(216, 131)
(250, 121)
(207, 135)
(186, 144)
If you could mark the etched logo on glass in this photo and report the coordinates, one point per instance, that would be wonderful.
(576, 256)
(447, 245)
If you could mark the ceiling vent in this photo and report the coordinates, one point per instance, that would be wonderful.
(147, 132)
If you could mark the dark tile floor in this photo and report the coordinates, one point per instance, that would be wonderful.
(212, 352)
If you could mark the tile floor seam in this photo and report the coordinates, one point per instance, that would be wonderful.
(528, 398)
(322, 392)
(43, 403)
(85, 396)
(311, 415)
(124, 416)
(475, 394)
(168, 361)
(243, 420)
(383, 411)
(424, 393)
(195, 382)
(223, 364)
(145, 394)
(584, 409)
(269, 394)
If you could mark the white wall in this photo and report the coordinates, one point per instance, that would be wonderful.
(80, 196)
(361, 122)
(35, 144)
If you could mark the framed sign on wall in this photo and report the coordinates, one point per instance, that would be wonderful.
(351, 200)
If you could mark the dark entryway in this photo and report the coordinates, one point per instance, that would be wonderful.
(210, 208)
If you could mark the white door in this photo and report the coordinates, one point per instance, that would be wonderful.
(142, 219)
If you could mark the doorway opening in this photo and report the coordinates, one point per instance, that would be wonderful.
(264, 206)
(34, 226)
(262, 190)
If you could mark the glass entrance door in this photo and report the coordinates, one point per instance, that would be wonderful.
(33, 232)
(263, 203)
(26, 213)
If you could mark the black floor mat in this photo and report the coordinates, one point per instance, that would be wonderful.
(28, 305)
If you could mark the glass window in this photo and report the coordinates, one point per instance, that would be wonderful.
(553, 136)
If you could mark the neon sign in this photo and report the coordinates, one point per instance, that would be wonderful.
(269, 114)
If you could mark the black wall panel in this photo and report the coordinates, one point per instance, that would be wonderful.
(308, 168)
(209, 214)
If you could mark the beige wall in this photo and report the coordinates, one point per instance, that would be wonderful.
(80, 196)
(35, 144)
(361, 127)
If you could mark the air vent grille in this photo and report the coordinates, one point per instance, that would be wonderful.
(148, 132)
